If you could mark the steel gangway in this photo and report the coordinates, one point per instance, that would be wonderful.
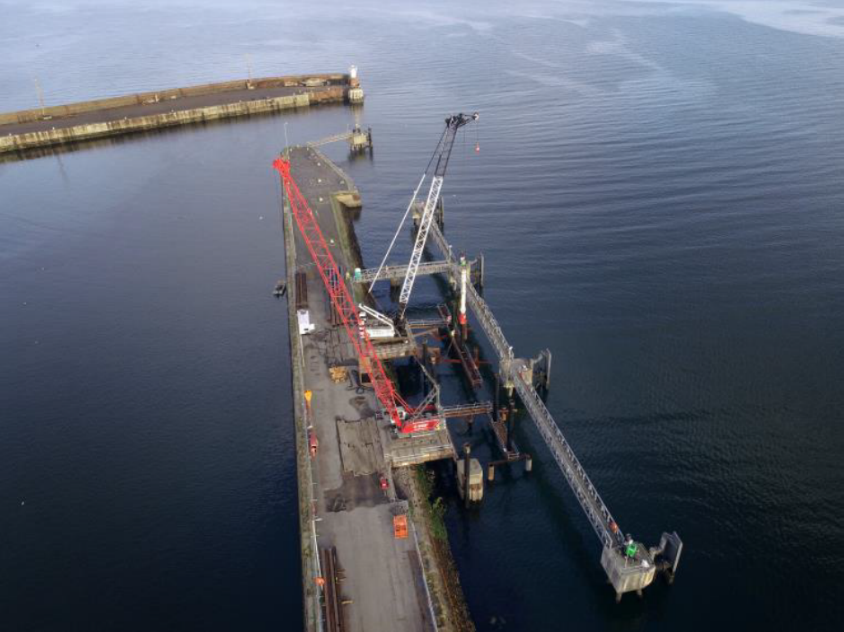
(330, 139)
(593, 506)
(398, 272)
(629, 566)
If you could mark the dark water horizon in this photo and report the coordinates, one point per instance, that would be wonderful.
(658, 195)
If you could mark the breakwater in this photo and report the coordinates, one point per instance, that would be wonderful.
(57, 125)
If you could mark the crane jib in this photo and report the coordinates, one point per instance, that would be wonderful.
(342, 300)
(440, 159)
(452, 124)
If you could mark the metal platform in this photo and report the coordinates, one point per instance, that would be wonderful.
(395, 350)
(403, 450)
(397, 273)
(466, 410)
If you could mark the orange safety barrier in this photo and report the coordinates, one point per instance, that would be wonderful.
(400, 526)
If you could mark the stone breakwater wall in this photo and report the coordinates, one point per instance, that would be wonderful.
(61, 124)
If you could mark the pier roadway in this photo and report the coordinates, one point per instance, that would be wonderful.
(382, 585)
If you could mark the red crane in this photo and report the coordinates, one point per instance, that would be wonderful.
(405, 418)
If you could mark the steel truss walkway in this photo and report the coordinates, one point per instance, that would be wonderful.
(397, 273)
(626, 572)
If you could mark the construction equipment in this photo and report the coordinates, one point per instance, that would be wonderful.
(346, 309)
(384, 327)
(439, 159)
(306, 327)
(338, 374)
(331, 590)
(400, 526)
(441, 155)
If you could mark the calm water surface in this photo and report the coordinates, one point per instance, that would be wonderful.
(659, 197)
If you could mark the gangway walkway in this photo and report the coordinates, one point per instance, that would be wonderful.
(331, 139)
(626, 571)
(593, 506)
(397, 273)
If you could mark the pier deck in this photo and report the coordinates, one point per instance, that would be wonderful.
(384, 586)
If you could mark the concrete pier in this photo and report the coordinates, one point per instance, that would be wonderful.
(346, 453)
(56, 125)
(350, 490)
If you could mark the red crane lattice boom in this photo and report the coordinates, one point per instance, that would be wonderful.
(343, 302)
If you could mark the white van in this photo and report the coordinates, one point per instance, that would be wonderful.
(304, 318)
